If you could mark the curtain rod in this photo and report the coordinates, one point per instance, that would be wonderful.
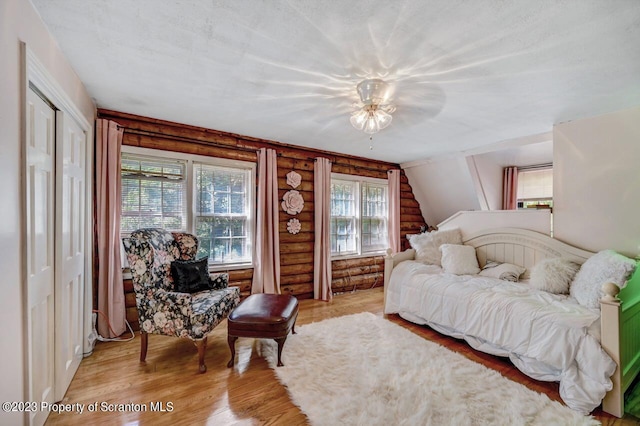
(337, 163)
(186, 139)
(239, 148)
(536, 166)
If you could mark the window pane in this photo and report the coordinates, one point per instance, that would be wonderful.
(343, 235)
(220, 203)
(535, 184)
(343, 219)
(222, 195)
(236, 205)
(153, 193)
(374, 217)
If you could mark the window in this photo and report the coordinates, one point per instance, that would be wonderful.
(222, 213)
(153, 193)
(535, 187)
(209, 197)
(359, 214)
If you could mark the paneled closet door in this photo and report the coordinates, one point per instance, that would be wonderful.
(40, 232)
(70, 250)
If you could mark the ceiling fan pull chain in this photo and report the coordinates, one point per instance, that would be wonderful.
(370, 142)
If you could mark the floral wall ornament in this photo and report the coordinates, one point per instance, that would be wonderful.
(293, 179)
(293, 226)
(292, 202)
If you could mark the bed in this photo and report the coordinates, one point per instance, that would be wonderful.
(592, 353)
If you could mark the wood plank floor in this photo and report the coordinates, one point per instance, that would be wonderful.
(247, 394)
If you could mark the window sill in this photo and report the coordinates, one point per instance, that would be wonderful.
(224, 268)
(359, 256)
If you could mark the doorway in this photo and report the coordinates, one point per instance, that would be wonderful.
(56, 238)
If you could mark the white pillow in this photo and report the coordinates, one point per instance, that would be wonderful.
(602, 267)
(553, 275)
(458, 259)
(502, 271)
(427, 244)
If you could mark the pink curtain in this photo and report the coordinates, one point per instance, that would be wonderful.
(394, 210)
(510, 188)
(110, 287)
(322, 216)
(266, 272)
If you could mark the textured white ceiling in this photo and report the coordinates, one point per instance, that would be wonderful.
(465, 73)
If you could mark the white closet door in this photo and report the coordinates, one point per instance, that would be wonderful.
(70, 250)
(40, 196)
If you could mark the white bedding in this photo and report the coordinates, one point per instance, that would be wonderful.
(548, 337)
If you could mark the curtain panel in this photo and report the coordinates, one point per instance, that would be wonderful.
(510, 188)
(322, 216)
(108, 193)
(266, 272)
(394, 210)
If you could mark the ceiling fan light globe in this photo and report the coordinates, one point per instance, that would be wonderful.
(371, 126)
(358, 119)
(383, 119)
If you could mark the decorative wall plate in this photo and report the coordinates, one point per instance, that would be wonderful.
(293, 226)
(293, 179)
(292, 202)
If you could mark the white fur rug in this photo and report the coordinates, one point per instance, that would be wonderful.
(364, 370)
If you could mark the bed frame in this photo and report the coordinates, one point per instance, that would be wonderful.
(620, 312)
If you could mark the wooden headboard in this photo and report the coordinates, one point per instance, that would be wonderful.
(521, 247)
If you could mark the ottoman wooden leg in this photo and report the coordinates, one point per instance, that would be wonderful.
(280, 345)
(232, 346)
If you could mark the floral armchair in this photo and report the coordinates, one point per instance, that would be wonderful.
(162, 310)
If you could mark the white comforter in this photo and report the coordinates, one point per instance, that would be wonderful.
(546, 336)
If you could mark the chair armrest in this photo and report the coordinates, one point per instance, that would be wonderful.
(219, 280)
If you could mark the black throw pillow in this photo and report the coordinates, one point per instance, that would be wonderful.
(190, 276)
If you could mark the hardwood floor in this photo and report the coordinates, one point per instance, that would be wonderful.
(247, 394)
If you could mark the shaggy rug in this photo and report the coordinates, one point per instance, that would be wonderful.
(364, 370)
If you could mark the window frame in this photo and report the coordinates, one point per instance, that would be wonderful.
(190, 201)
(358, 181)
(540, 201)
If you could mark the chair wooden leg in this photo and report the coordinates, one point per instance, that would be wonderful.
(232, 347)
(202, 347)
(144, 342)
(280, 345)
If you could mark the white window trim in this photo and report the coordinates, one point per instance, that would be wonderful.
(190, 200)
(359, 179)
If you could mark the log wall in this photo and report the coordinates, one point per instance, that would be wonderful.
(296, 251)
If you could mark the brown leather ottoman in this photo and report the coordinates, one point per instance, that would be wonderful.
(262, 316)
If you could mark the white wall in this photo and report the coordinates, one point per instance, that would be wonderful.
(596, 182)
(442, 187)
(20, 22)
(446, 185)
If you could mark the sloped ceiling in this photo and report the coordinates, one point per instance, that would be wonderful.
(465, 73)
